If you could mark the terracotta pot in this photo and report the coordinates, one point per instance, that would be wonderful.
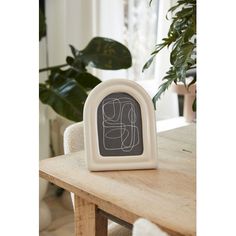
(189, 96)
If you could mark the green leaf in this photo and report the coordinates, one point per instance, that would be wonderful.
(42, 25)
(70, 60)
(182, 37)
(163, 87)
(65, 96)
(87, 80)
(75, 52)
(66, 90)
(183, 54)
(76, 63)
(107, 54)
(175, 7)
(148, 63)
(161, 90)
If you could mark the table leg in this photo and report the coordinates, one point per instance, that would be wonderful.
(88, 221)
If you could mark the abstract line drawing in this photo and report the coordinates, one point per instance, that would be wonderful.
(119, 128)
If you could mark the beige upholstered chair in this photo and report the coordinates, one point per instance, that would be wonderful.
(143, 227)
(73, 142)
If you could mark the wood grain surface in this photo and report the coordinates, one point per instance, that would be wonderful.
(87, 219)
(165, 196)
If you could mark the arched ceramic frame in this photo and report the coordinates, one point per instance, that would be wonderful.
(96, 162)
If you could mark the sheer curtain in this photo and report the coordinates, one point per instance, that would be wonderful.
(167, 106)
(139, 26)
(133, 23)
(109, 22)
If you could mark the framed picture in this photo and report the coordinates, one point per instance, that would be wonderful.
(119, 127)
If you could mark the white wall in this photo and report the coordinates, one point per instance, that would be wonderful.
(44, 150)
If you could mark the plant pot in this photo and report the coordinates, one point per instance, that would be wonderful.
(189, 96)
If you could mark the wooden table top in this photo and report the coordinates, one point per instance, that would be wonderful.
(166, 196)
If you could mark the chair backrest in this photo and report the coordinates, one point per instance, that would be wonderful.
(143, 227)
(74, 138)
(73, 141)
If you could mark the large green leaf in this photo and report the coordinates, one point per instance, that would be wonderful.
(76, 63)
(66, 90)
(105, 53)
(42, 25)
(169, 78)
(75, 52)
(65, 96)
(87, 80)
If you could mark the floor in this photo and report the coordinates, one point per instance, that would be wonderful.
(63, 217)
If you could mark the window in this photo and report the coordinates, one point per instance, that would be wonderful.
(134, 23)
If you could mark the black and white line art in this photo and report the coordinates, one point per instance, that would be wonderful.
(119, 124)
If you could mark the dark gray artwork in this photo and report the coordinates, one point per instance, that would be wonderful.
(119, 125)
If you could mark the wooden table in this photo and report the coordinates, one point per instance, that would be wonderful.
(165, 196)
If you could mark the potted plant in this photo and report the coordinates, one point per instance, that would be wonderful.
(67, 86)
(181, 40)
(66, 89)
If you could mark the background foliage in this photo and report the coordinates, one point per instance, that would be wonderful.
(66, 89)
(182, 39)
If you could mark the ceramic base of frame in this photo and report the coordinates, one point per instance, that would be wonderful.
(96, 162)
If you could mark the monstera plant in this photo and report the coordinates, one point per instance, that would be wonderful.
(67, 86)
(181, 40)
